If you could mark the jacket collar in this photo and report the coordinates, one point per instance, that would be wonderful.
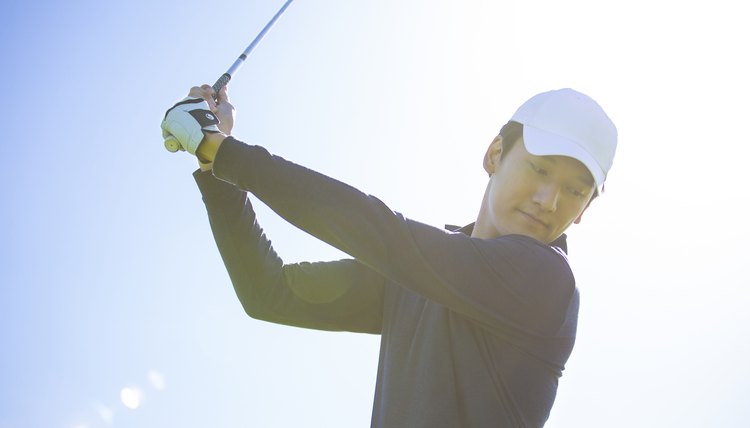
(561, 242)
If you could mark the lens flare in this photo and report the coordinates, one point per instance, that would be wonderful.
(156, 380)
(105, 413)
(131, 397)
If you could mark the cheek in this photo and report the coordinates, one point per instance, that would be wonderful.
(504, 198)
(513, 188)
(575, 206)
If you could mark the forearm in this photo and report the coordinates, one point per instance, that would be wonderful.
(328, 209)
(252, 264)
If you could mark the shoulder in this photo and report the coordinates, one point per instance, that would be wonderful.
(540, 270)
(526, 251)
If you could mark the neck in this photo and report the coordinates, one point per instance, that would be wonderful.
(482, 227)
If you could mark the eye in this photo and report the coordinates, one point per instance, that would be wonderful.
(575, 192)
(537, 169)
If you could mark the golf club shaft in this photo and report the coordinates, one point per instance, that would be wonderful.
(226, 77)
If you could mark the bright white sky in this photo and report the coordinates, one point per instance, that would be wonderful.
(116, 311)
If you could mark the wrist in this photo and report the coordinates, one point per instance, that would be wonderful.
(206, 151)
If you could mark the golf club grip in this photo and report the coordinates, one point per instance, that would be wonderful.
(171, 144)
(223, 80)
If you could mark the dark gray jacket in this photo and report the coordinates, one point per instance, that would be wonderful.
(475, 332)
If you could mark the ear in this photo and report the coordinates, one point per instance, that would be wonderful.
(492, 157)
(578, 220)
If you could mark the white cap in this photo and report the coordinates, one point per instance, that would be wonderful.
(566, 122)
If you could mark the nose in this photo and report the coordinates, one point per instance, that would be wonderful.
(546, 196)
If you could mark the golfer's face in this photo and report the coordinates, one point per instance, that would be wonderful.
(537, 196)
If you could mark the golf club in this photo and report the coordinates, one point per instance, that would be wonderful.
(171, 142)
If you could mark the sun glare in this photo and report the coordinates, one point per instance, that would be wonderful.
(131, 397)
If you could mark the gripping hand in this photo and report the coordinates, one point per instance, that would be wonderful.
(186, 123)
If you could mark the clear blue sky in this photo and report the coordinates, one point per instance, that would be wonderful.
(110, 278)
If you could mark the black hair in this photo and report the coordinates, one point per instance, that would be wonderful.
(510, 132)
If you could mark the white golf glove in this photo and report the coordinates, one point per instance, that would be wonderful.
(187, 120)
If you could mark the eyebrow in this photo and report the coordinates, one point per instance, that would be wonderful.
(589, 181)
(585, 179)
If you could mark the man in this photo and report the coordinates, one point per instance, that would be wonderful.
(476, 324)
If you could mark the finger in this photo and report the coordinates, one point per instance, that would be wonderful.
(223, 96)
(204, 91)
(207, 93)
(207, 89)
(196, 92)
(211, 104)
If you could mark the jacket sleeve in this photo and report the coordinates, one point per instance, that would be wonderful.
(341, 295)
(511, 281)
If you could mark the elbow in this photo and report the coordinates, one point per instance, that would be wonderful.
(255, 311)
(256, 295)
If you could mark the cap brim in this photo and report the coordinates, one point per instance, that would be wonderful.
(543, 143)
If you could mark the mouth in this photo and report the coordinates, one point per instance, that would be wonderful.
(534, 219)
